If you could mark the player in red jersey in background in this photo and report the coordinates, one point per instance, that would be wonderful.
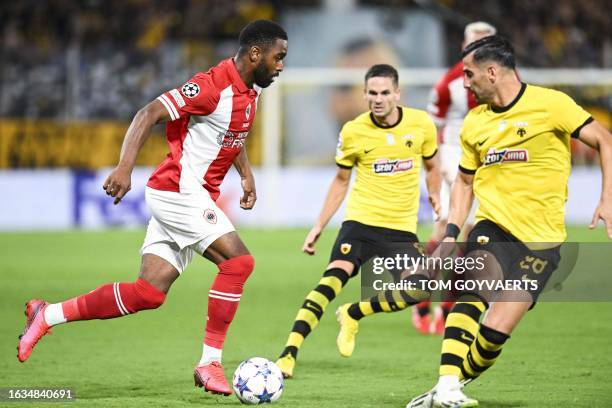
(208, 120)
(449, 103)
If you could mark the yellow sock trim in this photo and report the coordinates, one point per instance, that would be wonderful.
(295, 339)
(332, 282)
(318, 298)
(451, 370)
(307, 316)
(487, 345)
(366, 308)
(462, 321)
(455, 347)
(478, 359)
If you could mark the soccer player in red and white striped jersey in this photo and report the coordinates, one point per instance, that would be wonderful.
(208, 121)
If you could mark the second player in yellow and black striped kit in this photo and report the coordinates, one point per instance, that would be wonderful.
(387, 146)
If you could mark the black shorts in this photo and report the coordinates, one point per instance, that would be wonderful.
(517, 261)
(357, 242)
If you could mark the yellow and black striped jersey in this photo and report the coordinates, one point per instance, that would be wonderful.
(388, 162)
(520, 156)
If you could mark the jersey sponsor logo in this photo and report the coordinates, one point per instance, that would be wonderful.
(505, 155)
(231, 139)
(345, 248)
(210, 216)
(176, 95)
(386, 166)
(190, 89)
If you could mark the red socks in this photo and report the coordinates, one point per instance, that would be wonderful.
(119, 299)
(113, 300)
(224, 296)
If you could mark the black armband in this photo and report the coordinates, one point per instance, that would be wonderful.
(452, 230)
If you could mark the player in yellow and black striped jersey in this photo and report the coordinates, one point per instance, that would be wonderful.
(387, 146)
(516, 161)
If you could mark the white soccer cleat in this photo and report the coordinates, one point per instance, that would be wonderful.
(423, 400)
(453, 398)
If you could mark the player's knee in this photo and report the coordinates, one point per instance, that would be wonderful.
(239, 267)
(145, 296)
(346, 266)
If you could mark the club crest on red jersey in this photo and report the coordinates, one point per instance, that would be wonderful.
(247, 112)
(190, 89)
(210, 216)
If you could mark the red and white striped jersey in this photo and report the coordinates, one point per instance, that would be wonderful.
(210, 119)
(449, 103)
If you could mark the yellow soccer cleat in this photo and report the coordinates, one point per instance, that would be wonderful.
(348, 329)
(286, 365)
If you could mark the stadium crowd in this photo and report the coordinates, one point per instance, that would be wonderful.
(125, 53)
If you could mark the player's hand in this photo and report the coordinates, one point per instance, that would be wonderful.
(445, 248)
(118, 183)
(311, 239)
(249, 196)
(434, 200)
(603, 212)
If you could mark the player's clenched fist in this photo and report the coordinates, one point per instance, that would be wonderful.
(118, 183)
(310, 240)
(249, 196)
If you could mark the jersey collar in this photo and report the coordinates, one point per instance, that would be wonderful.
(235, 76)
(399, 119)
(511, 104)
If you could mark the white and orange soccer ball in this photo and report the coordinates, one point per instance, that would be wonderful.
(258, 381)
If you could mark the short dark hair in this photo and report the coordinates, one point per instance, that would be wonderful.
(382, 70)
(492, 48)
(262, 33)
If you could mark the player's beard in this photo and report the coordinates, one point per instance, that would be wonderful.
(263, 78)
(481, 97)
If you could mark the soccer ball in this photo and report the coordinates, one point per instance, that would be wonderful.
(258, 381)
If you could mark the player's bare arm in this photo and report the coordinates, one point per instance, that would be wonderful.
(335, 196)
(599, 138)
(433, 180)
(247, 181)
(118, 182)
(462, 196)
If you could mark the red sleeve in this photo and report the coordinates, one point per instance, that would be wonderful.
(439, 101)
(198, 96)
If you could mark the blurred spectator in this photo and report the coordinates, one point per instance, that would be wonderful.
(72, 59)
(99, 59)
(566, 33)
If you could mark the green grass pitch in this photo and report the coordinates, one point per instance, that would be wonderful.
(560, 356)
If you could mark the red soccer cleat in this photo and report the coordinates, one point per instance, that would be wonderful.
(212, 378)
(35, 328)
(437, 325)
(420, 323)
